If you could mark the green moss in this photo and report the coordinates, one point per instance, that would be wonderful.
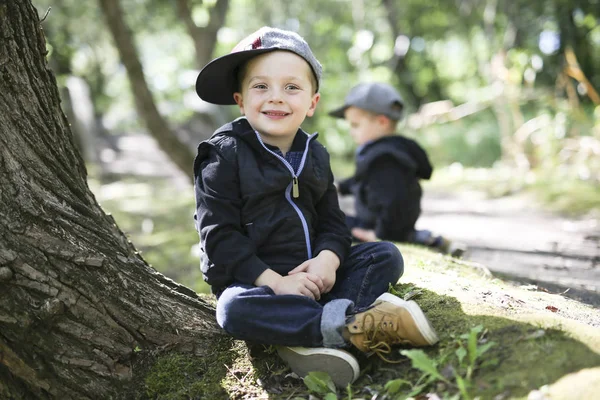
(524, 356)
(533, 347)
(181, 376)
(228, 372)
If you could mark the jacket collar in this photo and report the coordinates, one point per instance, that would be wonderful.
(242, 129)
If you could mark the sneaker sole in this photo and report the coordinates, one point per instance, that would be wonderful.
(341, 366)
(415, 311)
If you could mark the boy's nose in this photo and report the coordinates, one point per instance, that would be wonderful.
(276, 96)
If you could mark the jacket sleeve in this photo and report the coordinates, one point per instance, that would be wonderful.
(386, 193)
(231, 253)
(345, 185)
(332, 232)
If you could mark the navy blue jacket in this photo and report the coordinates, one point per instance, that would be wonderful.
(386, 186)
(246, 213)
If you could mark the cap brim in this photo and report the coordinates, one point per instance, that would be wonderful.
(339, 113)
(217, 81)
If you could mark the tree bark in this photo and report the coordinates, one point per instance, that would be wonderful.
(76, 299)
(204, 38)
(177, 151)
(399, 62)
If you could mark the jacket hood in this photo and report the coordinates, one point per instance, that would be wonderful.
(405, 150)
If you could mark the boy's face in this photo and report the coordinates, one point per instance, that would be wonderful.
(276, 95)
(365, 126)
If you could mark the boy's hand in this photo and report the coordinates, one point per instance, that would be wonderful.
(324, 266)
(364, 235)
(304, 284)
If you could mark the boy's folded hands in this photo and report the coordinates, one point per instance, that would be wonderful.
(312, 278)
(304, 284)
(324, 266)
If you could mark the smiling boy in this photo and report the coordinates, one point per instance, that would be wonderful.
(276, 249)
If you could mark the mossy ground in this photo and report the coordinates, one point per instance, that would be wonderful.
(543, 342)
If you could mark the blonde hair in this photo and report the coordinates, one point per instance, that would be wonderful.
(240, 73)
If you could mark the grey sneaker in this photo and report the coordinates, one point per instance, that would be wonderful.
(341, 366)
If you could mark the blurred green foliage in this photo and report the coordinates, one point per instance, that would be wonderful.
(487, 84)
(461, 51)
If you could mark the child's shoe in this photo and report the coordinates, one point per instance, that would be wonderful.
(389, 321)
(341, 366)
(454, 249)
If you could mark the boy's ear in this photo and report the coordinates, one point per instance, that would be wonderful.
(313, 104)
(237, 96)
(383, 121)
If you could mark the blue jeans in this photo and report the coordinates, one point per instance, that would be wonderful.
(257, 314)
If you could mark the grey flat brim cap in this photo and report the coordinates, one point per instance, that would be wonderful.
(217, 81)
(378, 98)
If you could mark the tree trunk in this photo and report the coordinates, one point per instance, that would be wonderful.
(177, 151)
(76, 299)
(399, 63)
(204, 38)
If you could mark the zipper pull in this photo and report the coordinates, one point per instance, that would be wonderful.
(295, 190)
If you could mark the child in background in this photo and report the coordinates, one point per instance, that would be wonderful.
(276, 250)
(386, 189)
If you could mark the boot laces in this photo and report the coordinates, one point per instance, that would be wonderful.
(380, 336)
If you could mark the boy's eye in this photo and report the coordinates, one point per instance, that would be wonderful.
(259, 86)
(292, 87)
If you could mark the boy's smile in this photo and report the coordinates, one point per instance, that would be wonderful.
(276, 95)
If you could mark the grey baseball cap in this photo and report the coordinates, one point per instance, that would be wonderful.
(217, 81)
(376, 97)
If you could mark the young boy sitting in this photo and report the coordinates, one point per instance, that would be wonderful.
(277, 251)
(386, 189)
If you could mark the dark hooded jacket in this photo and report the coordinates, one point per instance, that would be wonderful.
(386, 186)
(246, 213)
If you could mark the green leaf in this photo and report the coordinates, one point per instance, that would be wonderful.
(422, 362)
(472, 343)
(330, 396)
(416, 390)
(485, 347)
(319, 382)
(474, 331)
(462, 387)
(394, 386)
(461, 353)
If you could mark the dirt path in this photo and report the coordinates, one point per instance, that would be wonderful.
(516, 240)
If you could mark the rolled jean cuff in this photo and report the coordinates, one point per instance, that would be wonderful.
(333, 321)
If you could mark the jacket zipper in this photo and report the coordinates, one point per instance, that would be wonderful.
(293, 187)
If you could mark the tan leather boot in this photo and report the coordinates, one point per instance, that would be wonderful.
(389, 321)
